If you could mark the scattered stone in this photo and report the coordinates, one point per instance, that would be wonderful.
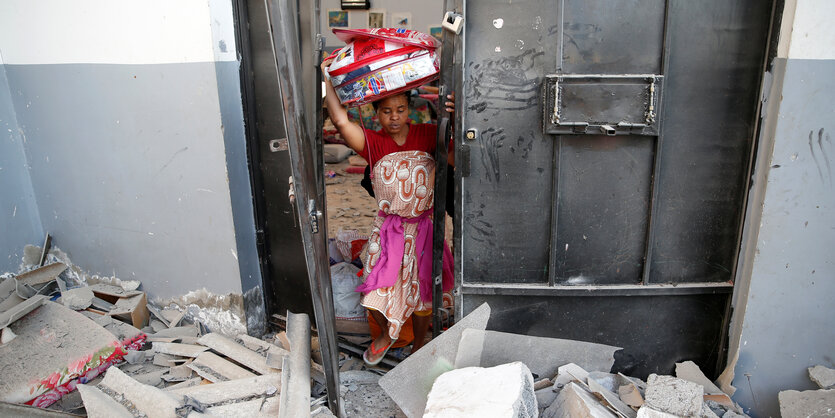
(78, 298)
(569, 372)
(500, 391)
(135, 357)
(809, 403)
(630, 395)
(543, 383)
(574, 401)
(610, 397)
(363, 396)
(823, 376)
(673, 395)
(425, 365)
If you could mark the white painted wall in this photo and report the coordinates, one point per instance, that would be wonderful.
(783, 320)
(114, 32)
(128, 108)
(425, 13)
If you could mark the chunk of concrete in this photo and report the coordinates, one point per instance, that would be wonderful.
(500, 391)
(425, 365)
(216, 369)
(541, 354)
(177, 349)
(809, 403)
(51, 340)
(78, 298)
(574, 401)
(570, 372)
(630, 395)
(611, 398)
(234, 390)
(673, 395)
(691, 372)
(237, 352)
(137, 398)
(21, 309)
(545, 397)
(823, 376)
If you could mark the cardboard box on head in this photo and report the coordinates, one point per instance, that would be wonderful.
(381, 62)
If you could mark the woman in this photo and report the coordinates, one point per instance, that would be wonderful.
(398, 267)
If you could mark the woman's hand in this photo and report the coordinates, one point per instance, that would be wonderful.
(450, 105)
(327, 62)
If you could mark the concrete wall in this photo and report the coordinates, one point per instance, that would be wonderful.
(131, 114)
(783, 321)
(20, 223)
(425, 13)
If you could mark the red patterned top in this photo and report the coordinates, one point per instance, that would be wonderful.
(421, 137)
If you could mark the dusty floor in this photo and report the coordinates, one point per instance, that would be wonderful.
(349, 205)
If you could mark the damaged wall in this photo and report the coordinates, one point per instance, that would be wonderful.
(134, 136)
(783, 319)
(20, 223)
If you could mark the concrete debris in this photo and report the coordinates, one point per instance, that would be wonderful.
(362, 395)
(575, 401)
(647, 412)
(78, 298)
(542, 355)
(229, 348)
(610, 398)
(20, 310)
(823, 376)
(568, 373)
(500, 391)
(674, 396)
(215, 369)
(809, 403)
(178, 349)
(295, 382)
(425, 365)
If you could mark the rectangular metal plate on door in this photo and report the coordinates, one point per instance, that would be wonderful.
(594, 104)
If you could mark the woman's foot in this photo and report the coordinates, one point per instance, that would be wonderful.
(375, 352)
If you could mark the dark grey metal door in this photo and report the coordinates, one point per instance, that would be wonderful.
(603, 167)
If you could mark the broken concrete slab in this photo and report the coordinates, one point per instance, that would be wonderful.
(542, 383)
(808, 403)
(501, 391)
(575, 401)
(295, 383)
(194, 381)
(545, 397)
(823, 376)
(153, 378)
(165, 360)
(275, 357)
(630, 395)
(425, 365)
(78, 298)
(234, 390)
(42, 275)
(569, 372)
(264, 406)
(691, 372)
(179, 373)
(26, 411)
(673, 395)
(542, 355)
(21, 309)
(229, 348)
(98, 404)
(42, 356)
(216, 369)
(136, 398)
(135, 357)
(178, 349)
(611, 398)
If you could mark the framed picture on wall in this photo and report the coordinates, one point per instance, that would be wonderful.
(401, 20)
(338, 19)
(376, 18)
(436, 31)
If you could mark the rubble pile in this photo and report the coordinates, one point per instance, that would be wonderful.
(81, 345)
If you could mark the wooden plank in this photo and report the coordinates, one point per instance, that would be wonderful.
(237, 352)
(216, 369)
(177, 349)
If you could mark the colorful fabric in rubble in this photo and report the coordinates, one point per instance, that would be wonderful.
(377, 63)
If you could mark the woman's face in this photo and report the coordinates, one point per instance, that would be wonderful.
(393, 113)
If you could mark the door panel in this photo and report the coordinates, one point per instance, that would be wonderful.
(712, 86)
(602, 209)
(624, 37)
(509, 189)
(604, 158)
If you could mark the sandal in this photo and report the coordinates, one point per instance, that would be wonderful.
(375, 352)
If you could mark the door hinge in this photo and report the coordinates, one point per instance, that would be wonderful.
(315, 215)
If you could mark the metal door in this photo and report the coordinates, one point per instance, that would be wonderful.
(602, 170)
(308, 188)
